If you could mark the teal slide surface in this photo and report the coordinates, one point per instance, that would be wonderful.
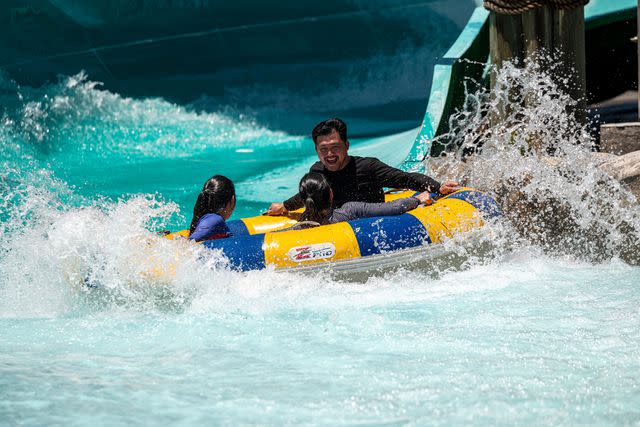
(289, 65)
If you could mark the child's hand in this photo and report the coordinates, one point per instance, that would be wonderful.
(425, 198)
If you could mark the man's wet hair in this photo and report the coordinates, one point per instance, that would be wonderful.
(326, 127)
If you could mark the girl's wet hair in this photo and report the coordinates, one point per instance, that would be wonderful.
(215, 195)
(316, 193)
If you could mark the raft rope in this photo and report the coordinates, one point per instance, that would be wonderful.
(516, 7)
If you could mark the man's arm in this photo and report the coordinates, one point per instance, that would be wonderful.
(395, 178)
(291, 204)
(294, 202)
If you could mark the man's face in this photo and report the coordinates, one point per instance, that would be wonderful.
(332, 151)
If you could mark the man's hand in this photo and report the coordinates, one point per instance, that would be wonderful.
(276, 209)
(449, 187)
(425, 198)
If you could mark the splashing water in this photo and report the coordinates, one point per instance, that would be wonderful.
(101, 143)
(105, 322)
(538, 160)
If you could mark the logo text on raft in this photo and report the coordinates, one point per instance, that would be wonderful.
(309, 252)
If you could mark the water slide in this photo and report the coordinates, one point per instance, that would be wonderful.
(368, 62)
(287, 65)
(209, 86)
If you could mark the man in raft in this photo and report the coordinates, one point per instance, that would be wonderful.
(353, 178)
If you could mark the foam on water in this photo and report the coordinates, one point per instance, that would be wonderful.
(506, 343)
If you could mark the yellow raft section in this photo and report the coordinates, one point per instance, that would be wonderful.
(264, 223)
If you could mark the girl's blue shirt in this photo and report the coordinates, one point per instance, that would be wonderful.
(210, 226)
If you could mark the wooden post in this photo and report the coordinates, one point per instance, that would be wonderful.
(569, 39)
(505, 44)
(505, 39)
(538, 30)
(556, 32)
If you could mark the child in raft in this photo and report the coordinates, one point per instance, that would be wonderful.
(214, 206)
(318, 200)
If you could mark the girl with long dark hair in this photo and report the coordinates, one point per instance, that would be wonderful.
(214, 206)
(318, 203)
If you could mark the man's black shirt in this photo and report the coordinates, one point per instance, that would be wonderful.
(363, 180)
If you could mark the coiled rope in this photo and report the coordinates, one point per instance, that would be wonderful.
(516, 7)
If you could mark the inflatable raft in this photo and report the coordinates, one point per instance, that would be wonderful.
(263, 241)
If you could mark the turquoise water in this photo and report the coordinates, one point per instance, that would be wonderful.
(516, 335)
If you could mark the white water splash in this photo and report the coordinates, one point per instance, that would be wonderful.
(538, 162)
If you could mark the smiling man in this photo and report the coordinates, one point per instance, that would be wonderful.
(353, 178)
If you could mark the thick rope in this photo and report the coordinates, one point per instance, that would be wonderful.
(516, 7)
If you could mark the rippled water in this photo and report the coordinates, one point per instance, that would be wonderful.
(534, 330)
(526, 340)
